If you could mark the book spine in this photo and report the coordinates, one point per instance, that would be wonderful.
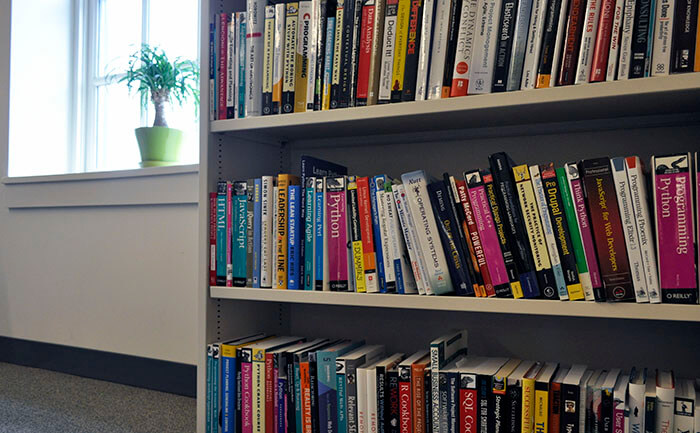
(320, 260)
(590, 29)
(607, 229)
(663, 35)
(268, 60)
(476, 245)
(337, 53)
(281, 252)
(453, 402)
(346, 70)
(372, 423)
(534, 44)
(623, 71)
(321, 14)
(468, 403)
(250, 215)
(424, 54)
(387, 256)
(420, 255)
(485, 40)
(223, 27)
(464, 49)
(499, 405)
(615, 35)
(444, 425)
(673, 204)
(561, 218)
(210, 383)
(550, 41)
(402, 22)
(355, 52)
(405, 404)
(579, 203)
(213, 99)
(290, 44)
(337, 233)
(282, 408)
(356, 235)
(328, 62)
(382, 391)
(462, 232)
(555, 405)
(683, 412)
(365, 52)
(622, 190)
(240, 234)
(642, 219)
(514, 408)
(278, 57)
(559, 45)
(352, 398)
(376, 52)
(541, 407)
(528, 406)
(258, 392)
(255, 13)
(213, 197)
(650, 414)
(571, 405)
(504, 46)
(266, 238)
(298, 403)
(641, 40)
(603, 41)
(241, 78)
(312, 52)
(230, 67)
(405, 282)
(409, 235)
(572, 45)
(388, 51)
(533, 226)
(257, 232)
(302, 61)
(342, 386)
(548, 229)
(439, 48)
(316, 399)
(685, 27)
(247, 392)
(269, 394)
(305, 395)
(367, 235)
(520, 33)
(293, 267)
(665, 399)
(216, 385)
(309, 251)
(413, 41)
(451, 51)
(483, 385)
(373, 188)
(230, 221)
(418, 398)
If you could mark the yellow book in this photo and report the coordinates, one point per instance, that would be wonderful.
(304, 39)
(283, 182)
(541, 407)
(355, 235)
(402, 15)
(527, 412)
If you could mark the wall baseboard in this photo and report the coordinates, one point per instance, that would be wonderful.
(158, 375)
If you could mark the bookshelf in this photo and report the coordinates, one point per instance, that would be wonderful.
(643, 116)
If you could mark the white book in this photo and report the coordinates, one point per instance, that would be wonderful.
(437, 276)
(665, 400)
(684, 408)
(266, 230)
(275, 231)
(409, 235)
(613, 54)
(255, 16)
(635, 400)
(405, 283)
(313, 47)
(371, 393)
(362, 374)
(549, 238)
(387, 62)
(626, 37)
(572, 176)
(424, 50)
(645, 231)
(485, 41)
(585, 54)
(583, 399)
(465, 47)
(663, 34)
(278, 55)
(231, 64)
(389, 276)
(559, 41)
(534, 44)
(622, 191)
(438, 54)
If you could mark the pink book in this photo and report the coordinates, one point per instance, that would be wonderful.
(487, 230)
(675, 240)
(337, 233)
(247, 391)
(229, 233)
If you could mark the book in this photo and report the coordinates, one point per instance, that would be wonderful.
(266, 227)
(522, 14)
(213, 101)
(474, 244)
(543, 385)
(257, 231)
(376, 53)
(308, 244)
(302, 66)
(230, 67)
(607, 400)
(337, 54)
(250, 215)
(365, 52)
(222, 64)
(323, 9)
(554, 29)
(255, 28)
(388, 50)
(504, 47)
(383, 235)
(619, 404)
(665, 401)
(355, 235)
(347, 33)
(329, 59)
(278, 58)
(321, 237)
(401, 35)
(485, 39)
(623, 193)
(589, 31)
(221, 238)
(240, 232)
(513, 385)
(230, 224)
(241, 52)
(347, 384)
(498, 390)
(409, 236)
(387, 393)
(293, 266)
(424, 53)
(438, 54)
(328, 384)
(290, 43)
(615, 35)
(443, 350)
(376, 184)
(607, 229)
(673, 212)
(213, 196)
(626, 39)
(400, 261)
(534, 44)
(451, 51)
(603, 40)
(420, 387)
(641, 39)
(336, 221)
(437, 276)
(684, 406)
(635, 400)
(573, 408)
(685, 27)
(548, 229)
(572, 44)
(527, 415)
(462, 229)
(650, 403)
(367, 234)
(268, 60)
(367, 397)
(464, 48)
(413, 43)
(663, 36)
(555, 400)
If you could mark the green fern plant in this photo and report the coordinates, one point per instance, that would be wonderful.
(154, 76)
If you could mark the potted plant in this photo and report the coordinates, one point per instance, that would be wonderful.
(154, 76)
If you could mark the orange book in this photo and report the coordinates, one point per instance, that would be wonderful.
(418, 393)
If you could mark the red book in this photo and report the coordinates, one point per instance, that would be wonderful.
(365, 210)
(212, 238)
(222, 63)
(555, 402)
(270, 387)
(599, 67)
(476, 250)
(418, 394)
(467, 406)
(574, 26)
(366, 38)
(229, 234)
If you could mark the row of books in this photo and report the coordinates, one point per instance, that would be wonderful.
(581, 231)
(262, 384)
(295, 56)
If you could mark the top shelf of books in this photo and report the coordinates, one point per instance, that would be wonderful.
(673, 94)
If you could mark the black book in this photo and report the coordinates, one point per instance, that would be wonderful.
(513, 407)
(250, 191)
(549, 39)
(382, 393)
(484, 376)
(504, 45)
(243, 354)
(428, 399)
(327, 9)
(346, 68)
(313, 388)
(453, 402)
(337, 54)
(502, 171)
(502, 290)
(498, 405)
(355, 53)
(639, 61)
(290, 396)
(685, 24)
(571, 406)
(391, 423)
(413, 40)
(452, 32)
(443, 377)
(456, 256)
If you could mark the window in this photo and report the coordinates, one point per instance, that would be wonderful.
(90, 111)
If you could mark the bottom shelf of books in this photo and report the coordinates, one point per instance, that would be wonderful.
(285, 384)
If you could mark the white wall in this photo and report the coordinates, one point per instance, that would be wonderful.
(112, 270)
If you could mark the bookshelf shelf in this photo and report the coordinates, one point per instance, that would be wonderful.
(655, 95)
(685, 313)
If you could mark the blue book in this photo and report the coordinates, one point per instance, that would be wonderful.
(308, 244)
(328, 384)
(212, 68)
(221, 189)
(257, 221)
(210, 383)
(240, 49)
(377, 184)
(293, 255)
(228, 407)
(239, 233)
(319, 222)
(216, 396)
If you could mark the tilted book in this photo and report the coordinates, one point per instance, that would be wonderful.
(405, 281)
(410, 237)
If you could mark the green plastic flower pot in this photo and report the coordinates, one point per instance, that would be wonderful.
(159, 145)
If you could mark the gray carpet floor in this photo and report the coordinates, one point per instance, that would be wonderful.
(38, 401)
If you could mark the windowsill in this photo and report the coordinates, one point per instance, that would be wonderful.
(99, 175)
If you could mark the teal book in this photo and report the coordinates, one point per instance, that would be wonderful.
(309, 211)
(328, 385)
(210, 378)
(346, 375)
(239, 233)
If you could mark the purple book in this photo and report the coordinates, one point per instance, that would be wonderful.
(675, 244)
(336, 220)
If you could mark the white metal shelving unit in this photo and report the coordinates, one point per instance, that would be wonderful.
(643, 116)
